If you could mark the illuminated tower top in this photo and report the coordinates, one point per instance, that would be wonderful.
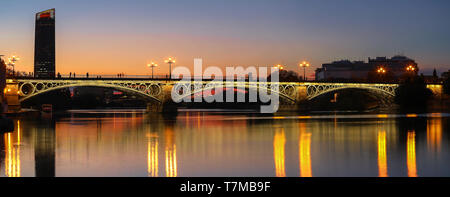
(47, 14)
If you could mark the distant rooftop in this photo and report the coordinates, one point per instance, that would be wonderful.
(397, 57)
(400, 57)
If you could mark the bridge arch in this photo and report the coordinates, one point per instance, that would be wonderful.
(316, 90)
(158, 91)
(286, 91)
(147, 90)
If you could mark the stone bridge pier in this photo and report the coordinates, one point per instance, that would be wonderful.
(163, 101)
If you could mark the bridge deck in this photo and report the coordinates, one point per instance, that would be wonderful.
(207, 80)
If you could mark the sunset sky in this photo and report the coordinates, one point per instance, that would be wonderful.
(112, 36)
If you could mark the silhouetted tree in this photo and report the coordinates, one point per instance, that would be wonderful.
(374, 76)
(413, 93)
(286, 76)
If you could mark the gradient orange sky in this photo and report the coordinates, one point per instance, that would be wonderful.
(109, 37)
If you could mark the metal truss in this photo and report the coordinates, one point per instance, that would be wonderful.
(317, 89)
(28, 88)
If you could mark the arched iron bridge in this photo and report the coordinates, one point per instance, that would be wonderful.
(158, 89)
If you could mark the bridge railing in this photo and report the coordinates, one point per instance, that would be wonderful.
(95, 76)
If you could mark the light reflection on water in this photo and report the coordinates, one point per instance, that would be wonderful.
(86, 143)
(305, 151)
(279, 142)
(382, 161)
(411, 151)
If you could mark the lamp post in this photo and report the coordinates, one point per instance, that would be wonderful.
(381, 71)
(410, 68)
(12, 63)
(303, 65)
(152, 65)
(279, 66)
(170, 61)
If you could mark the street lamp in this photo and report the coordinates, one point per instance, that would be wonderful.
(279, 66)
(410, 68)
(381, 70)
(303, 65)
(12, 63)
(170, 61)
(152, 65)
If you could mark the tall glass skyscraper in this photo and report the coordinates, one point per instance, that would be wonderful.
(44, 45)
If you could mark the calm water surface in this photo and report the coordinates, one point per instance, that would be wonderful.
(132, 143)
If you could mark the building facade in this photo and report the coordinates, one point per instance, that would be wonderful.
(446, 75)
(360, 70)
(44, 47)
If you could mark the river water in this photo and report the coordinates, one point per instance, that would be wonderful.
(132, 143)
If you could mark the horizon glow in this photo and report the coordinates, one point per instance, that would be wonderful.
(110, 37)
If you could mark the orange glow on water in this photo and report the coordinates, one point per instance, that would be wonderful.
(279, 141)
(434, 134)
(279, 117)
(305, 154)
(411, 115)
(411, 154)
(12, 157)
(304, 117)
(382, 116)
(436, 115)
(18, 132)
(152, 157)
(170, 154)
(382, 161)
(171, 161)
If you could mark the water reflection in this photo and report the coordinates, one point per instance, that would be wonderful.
(279, 141)
(12, 156)
(434, 134)
(305, 151)
(382, 160)
(215, 144)
(12, 152)
(44, 149)
(152, 157)
(411, 154)
(171, 153)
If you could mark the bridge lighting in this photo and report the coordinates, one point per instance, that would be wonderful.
(170, 61)
(152, 65)
(303, 65)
